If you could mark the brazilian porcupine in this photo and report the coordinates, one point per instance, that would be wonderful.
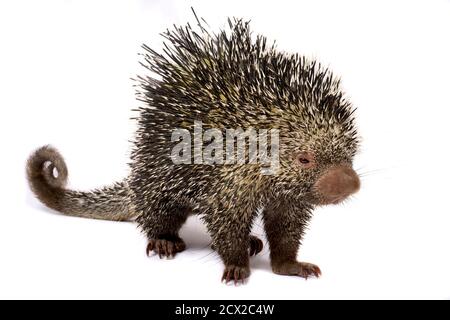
(224, 80)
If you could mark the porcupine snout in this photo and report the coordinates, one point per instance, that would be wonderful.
(336, 184)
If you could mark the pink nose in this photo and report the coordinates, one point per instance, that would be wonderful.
(336, 184)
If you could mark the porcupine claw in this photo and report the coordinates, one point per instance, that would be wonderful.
(236, 274)
(165, 247)
(256, 245)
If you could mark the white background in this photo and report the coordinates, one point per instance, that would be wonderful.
(65, 69)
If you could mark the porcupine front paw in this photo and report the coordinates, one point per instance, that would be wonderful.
(301, 269)
(235, 274)
(166, 246)
(255, 246)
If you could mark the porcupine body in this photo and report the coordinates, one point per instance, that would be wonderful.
(224, 80)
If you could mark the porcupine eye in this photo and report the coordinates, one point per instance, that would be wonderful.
(305, 160)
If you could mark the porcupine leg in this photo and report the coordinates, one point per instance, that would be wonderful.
(230, 232)
(162, 224)
(233, 249)
(284, 224)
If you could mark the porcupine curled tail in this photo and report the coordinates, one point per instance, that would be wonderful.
(108, 203)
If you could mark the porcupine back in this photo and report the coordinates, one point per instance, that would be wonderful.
(228, 80)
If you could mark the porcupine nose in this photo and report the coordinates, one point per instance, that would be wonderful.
(336, 184)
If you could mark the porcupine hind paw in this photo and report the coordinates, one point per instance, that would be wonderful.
(256, 245)
(301, 269)
(166, 246)
(235, 274)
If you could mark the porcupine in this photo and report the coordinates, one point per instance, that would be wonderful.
(228, 79)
